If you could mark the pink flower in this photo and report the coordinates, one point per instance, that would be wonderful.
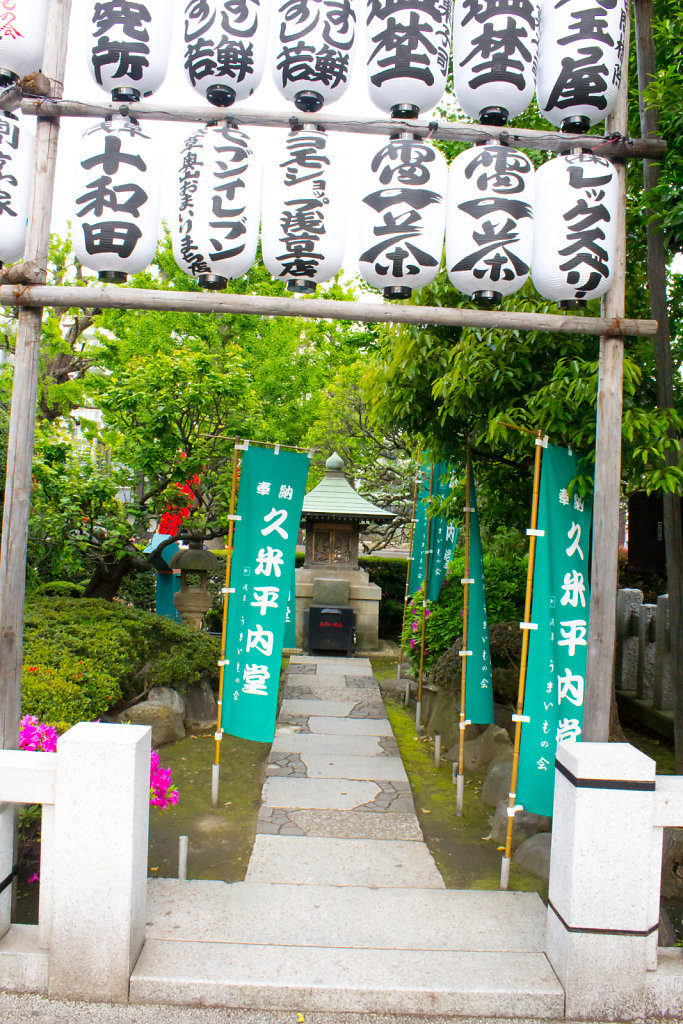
(33, 878)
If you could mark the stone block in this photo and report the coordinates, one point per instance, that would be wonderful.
(497, 784)
(100, 861)
(201, 710)
(626, 649)
(524, 826)
(534, 854)
(330, 592)
(663, 693)
(488, 748)
(163, 711)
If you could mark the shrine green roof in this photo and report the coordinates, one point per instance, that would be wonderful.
(335, 498)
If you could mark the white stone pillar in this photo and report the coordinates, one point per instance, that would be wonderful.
(100, 860)
(603, 896)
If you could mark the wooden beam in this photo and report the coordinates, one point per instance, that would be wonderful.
(116, 297)
(447, 131)
(602, 626)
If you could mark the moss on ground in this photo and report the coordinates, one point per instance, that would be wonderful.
(465, 858)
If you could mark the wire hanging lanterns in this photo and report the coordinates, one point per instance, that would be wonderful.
(118, 196)
(575, 228)
(495, 47)
(129, 45)
(408, 50)
(403, 213)
(580, 57)
(219, 203)
(225, 48)
(489, 224)
(304, 211)
(314, 50)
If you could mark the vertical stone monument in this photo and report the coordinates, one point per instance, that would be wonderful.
(333, 516)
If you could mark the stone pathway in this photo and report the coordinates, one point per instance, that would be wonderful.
(343, 910)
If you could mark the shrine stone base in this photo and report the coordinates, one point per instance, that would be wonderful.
(364, 598)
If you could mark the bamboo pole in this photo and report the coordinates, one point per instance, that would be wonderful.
(116, 297)
(532, 532)
(418, 706)
(215, 771)
(602, 623)
(416, 484)
(449, 131)
(22, 430)
(464, 653)
(661, 343)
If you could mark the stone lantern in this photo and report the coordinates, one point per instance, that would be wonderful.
(334, 514)
(193, 599)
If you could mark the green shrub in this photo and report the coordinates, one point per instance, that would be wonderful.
(110, 652)
(390, 575)
(505, 581)
(59, 588)
(139, 589)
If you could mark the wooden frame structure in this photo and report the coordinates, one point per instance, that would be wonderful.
(31, 295)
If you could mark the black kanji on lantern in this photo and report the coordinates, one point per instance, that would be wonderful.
(581, 81)
(103, 197)
(500, 55)
(130, 17)
(111, 236)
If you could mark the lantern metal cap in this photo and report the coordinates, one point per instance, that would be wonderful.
(7, 77)
(309, 101)
(577, 124)
(572, 304)
(397, 291)
(112, 276)
(213, 282)
(497, 116)
(221, 95)
(301, 286)
(125, 94)
(406, 111)
(487, 297)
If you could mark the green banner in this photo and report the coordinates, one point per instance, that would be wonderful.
(479, 683)
(558, 641)
(289, 640)
(271, 494)
(443, 534)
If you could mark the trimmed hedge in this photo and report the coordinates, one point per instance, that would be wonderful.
(83, 658)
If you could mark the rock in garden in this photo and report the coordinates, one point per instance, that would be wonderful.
(534, 855)
(672, 864)
(164, 710)
(497, 784)
(525, 825)
(201, 710)
(667, 932)
(489, 748)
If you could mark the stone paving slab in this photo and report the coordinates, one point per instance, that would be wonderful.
(317, 915)
(311, 860)
(323, 708)
(287, 741)
(346, 981)
(358, 825)
(322, 766)
(349, 726)
(327, 794)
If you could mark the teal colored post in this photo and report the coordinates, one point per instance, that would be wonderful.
(168, 584)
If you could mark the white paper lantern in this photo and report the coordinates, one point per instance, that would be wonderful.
(23, 25)
(494, 57)
(313, 50)
(118, 196)
(219, 205)
(305, 209)
(225, 48)
(575, 228)
(16, 174)
(580, 56)
(489, 221)
(408, 49)
(129, 42)
(402, 219)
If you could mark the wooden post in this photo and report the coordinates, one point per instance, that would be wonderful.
(656, 279)
(21, 434)
(23, 414)
(602, 627)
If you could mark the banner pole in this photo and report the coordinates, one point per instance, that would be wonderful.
(418, 706)
(215, 769)
(541, 443)
(460, 791)
(416, 483)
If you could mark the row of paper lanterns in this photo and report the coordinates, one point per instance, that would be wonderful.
(501, 219)
(570, 52)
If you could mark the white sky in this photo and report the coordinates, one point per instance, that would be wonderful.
(176, 92)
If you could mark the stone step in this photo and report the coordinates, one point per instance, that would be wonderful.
(350, 916)
(351, 980)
